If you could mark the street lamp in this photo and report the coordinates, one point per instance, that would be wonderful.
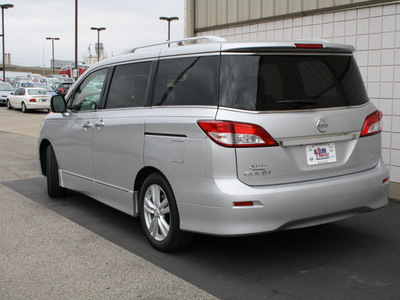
(98, 39)
(3, 7)
(169, 19)
(52, 48)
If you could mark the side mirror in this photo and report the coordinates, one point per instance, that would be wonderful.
(57, 104)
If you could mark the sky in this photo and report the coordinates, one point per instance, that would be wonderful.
(129, 23)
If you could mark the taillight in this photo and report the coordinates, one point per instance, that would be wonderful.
(61, 90)
(235, 134)
(309, 46)
(32, 100)
(372, 124)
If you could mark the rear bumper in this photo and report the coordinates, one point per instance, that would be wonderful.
(38, 105)
(206, 204)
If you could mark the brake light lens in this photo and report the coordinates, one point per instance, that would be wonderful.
(236, 134)
(61, 90)
(372, 124)
(32, 100)
(309, 46)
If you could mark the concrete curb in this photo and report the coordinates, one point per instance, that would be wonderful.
(394, 191)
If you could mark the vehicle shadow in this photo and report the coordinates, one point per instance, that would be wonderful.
(271, 264)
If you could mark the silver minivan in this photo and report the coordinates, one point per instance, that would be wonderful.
(220, 138)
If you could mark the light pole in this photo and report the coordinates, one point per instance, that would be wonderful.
(98, 39)
(169, 19)
(3, 7)
(52, 48)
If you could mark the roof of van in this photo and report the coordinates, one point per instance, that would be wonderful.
(218, 44)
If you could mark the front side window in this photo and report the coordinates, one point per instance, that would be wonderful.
(187, 81)
(290, 82)
(129, 85)
(87, 96)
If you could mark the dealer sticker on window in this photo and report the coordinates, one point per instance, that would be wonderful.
(321, 154)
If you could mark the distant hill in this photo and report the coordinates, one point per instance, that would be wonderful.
(36, 70)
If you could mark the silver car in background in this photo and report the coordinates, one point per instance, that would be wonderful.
(220, 138)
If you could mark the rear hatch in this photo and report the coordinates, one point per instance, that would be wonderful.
(312, 103)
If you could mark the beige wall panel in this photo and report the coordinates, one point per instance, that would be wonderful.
(310, 4)
(233, 11)
(201, 13)
(295, 6)
(211, 12)
(255, 9)
(222, 12)
(325, 3)
(343, 2)
(268, 8)
(281, 7)
(244, 10)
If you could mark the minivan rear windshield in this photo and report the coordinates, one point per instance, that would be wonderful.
(290, 82)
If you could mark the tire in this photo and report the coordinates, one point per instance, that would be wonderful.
(9, 104)
(53, 181)
(23, 108)
(159, 215)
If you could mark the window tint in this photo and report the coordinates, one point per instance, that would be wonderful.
(187, 81)
(87, 95)
(128, 86)
(290, 82)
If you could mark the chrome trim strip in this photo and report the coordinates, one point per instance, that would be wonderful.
(114, 187)
(318, 139)
(290, 111)
(76, 175)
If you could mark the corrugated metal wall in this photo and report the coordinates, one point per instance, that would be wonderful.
(216, 13)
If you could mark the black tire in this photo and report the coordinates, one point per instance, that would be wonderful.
(53, 184)
(9, 104)
(166, 212)
(23, 108)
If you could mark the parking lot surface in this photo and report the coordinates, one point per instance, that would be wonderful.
(77, 248)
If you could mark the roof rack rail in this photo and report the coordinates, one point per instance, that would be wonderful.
(209, 38)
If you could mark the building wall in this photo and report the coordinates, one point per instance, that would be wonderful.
(211, 14)
(373, 30)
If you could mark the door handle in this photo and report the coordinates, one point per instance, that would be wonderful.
(99, 124)
(87, 125)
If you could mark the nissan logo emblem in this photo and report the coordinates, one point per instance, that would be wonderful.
(321, 125)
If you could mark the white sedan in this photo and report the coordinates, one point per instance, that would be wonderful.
(27, 98)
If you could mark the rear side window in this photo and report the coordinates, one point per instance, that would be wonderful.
(187, 81)
(290, 82)
(129, 85)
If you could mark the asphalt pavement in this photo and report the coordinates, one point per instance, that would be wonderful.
(78, 248)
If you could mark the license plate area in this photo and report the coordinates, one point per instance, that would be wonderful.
(321, 154)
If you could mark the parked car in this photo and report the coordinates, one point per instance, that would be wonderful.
(5, 90)
(219, 138)
(35, 77)
(43, 86)
(29, 98)
(49, 81)
(9, 80)
(19, 80)
(61, 88)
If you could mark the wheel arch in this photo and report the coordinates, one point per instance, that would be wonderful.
(142, 175)
(42, 155)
